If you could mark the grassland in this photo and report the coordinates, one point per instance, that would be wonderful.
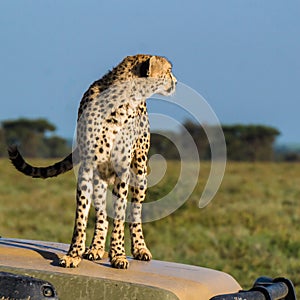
(251, 228)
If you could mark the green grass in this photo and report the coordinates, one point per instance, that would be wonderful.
(251, 228)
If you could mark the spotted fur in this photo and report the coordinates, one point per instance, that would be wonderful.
(113, 140)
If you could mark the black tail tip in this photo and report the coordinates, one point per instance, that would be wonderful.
(12, 151)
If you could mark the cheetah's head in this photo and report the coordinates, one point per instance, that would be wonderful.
(155, 69)
(161, 69)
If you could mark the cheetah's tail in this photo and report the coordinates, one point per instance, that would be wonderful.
(42, 172)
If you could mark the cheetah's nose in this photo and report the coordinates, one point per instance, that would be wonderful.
(174, 79)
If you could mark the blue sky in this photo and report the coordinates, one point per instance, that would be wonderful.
(242, 56)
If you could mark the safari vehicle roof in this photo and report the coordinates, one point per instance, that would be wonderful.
(97, 280)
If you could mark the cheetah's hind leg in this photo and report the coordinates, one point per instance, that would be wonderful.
(83, 196)
(97, 249)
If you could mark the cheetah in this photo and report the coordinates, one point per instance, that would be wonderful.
(113, 139)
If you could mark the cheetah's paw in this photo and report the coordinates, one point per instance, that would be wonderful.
(94, 254)
(69, 262)
(142, 254)
(119, 262)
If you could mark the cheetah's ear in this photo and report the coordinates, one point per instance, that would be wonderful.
(155, 66)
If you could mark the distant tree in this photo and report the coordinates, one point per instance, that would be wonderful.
(18, 130)
(30, 136)
(244, 142)
(250, 142)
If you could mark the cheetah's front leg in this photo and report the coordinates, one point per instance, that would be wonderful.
(83, 199)
(139, 249)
